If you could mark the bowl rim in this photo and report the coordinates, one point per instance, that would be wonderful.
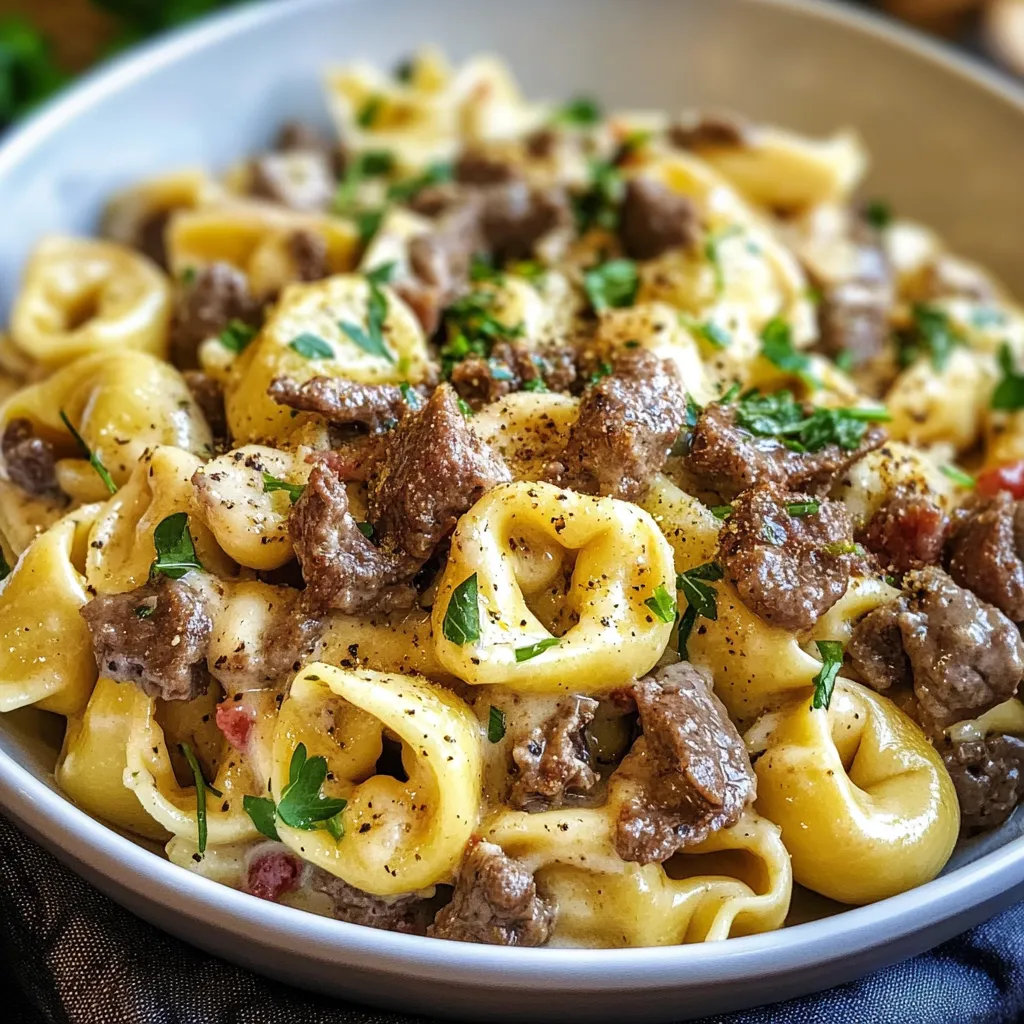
(149, 877)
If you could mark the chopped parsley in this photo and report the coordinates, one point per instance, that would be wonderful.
(583, 111)
(201, 787)
(844, 360)
(301, 804)
(598, 206)
(464, 407)
(663, 604)
(94, 459)
(931, 334)
(371, 340)
(482, 268)
(831, 652)
(372, 163)
(535, 384)
(777, 347)
(271, 484)
(263, 814)
(604, 369)
(175, 551)
(237, 336)
(462, 616)
(702, 600)
(722, 511)
(370, 111)
(611, 285)
(713, 334)
(472, 329)
(630, 144)
(495, 725)
(713, 253)
(366, 529)
(878, 213)
(144, 611)
(958, 476)
(803, 508)
(188, 275)
(843, 547)
(532, 270)
(532, 650)
(436, 174)
(311, 346)
(1009, 393)
(410, 395)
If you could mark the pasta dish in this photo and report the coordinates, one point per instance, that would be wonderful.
(512, 522)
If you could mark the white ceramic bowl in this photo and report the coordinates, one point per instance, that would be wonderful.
(948, 145)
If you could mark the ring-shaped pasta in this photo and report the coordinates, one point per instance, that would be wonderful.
(737, 882)
(82, 296)
(514, 541)
(866, 807)
(45, 645)
(398, 836)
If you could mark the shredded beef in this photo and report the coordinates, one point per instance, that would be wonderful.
(690, 768)
(655, 219)
(209, 396)
(155, 636)
(309, 251)
(789, 569)
(907, 532)
(707, 131)
(301, 179)
(343, 569)
(495, 901)
(510, 365)
(985, 554)
(218, 294)
(30, 460)
(408, 914)
(552, 760)
(376, 406)
(433, 470)
(625, 429)
(988, 775)
(963, 656)
(726, 459)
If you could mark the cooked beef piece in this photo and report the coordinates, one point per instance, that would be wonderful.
(155, 636)
(437, 199)
(655, 219)
(727, 459)
(343, 569)
(542, 142)
(625, 429)
(209, 396)
(218, 294)
(495, 901)
(409, 914)
(552, 760)
(789, 568)
(301, 179)
(434, 469)
(151, 239)
(309, 251)
(475, 167)
(354, 458)
(707, 131)
(30, 460)
(377, 406)
(299, 135)
(989, 778)
(963, 656)
(511, 365)
(516, 216)
(273, 871)
(985, 554)
(908, 531)
(690, 769)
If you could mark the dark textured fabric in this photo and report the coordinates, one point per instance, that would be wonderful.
(68, 955)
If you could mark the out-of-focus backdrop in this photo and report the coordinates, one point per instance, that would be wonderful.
(44, 42)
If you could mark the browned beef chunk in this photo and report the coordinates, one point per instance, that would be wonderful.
(690, 768)
(726, 459)
(218, 294)
(377, 406)
(434, 469)
(707, 131)
(209, 396)
(301, 179)
(964, 656)
(151, 239)
(552, 760)
(788, 568)
(985, 554)
(626, 426)
(989, 778)
(655, 219)
(542, 142)
(342, 568)
(475, 167)
(511, 365)
(30, 460)
(408, 914)
(908, 531)
(309, 250)
(298, 135)
(155, 636)
(516, 216)
(495, 901)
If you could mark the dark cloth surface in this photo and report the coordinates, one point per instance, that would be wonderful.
(68, 955)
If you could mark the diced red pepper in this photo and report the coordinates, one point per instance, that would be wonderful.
(272, 874)
(236, 720)
(1007, 477)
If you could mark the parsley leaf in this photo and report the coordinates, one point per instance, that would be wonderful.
(370, 111)
(237, 336)
(663, 604)
(701, 599)
(201, 787)
(263, 813)
(878, 213)
(803, 508)
(714, 335)
(603, 369)
(843, 547)
(582, 111)
(371, 340)
(777, 347)
(532, 650)
(366, 529)
(336, 825)
(535, 384)
(831, 652)
(311, 346)
(94, 459)
(598, 206)
(301, 804)
(464, 407)
(721, 511)
(410, 396)
(1009, 392)
(611, 285)
(931, 334)
(462, 617)
(372, 163)
(175, 552)
(271, 484)
(144, 611)
(472, 329)
(958, 476)
(495, 725)
(482, 268)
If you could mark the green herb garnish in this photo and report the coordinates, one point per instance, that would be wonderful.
(94, 459)
(702, 600)
(201, 787)
(777, 347)
(436, 174)
(175, 551)
(611, 285)
(598, 206)
(878, 213)
(144, 611)
(472, 329)
(464, 407)
(958, 476)
(932, 334)
(366, 529)
(301, 804)
(803, 508)
(532, 650)
(370, 111)
(271, 484)
(496, 725)
(371, 340)
(582, 111)
(662, 604)
(237, 336)
(1009, 393)
(263, 813)
(311, 346)
(831, 652)
(722, 511)
(462, 617)
(713, 253)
